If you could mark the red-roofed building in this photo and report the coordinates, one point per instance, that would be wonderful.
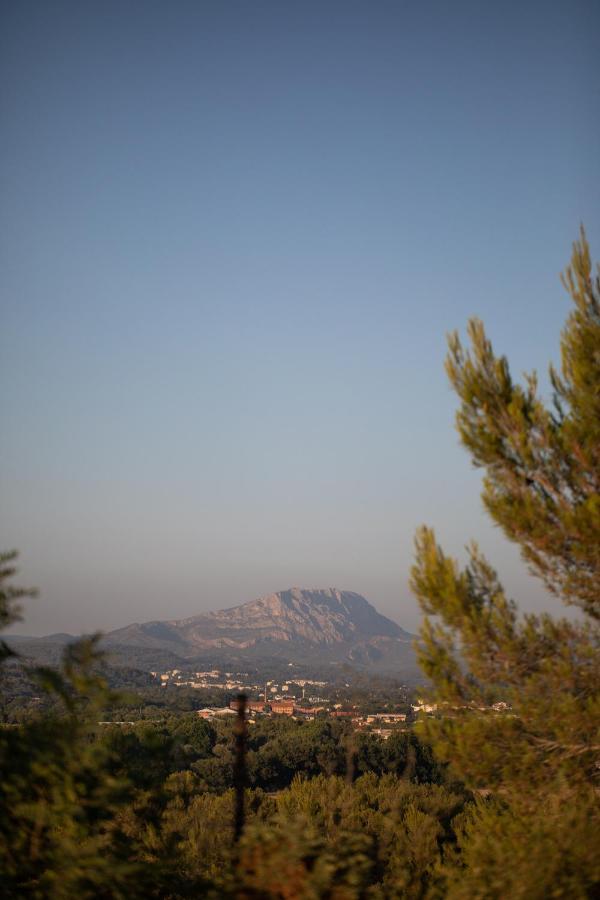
(282, 707)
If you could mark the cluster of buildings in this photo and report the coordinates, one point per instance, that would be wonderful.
(255, 708)
(226, 681)
(271, 691)
(288, 707)
(422, 707)
(299, 698)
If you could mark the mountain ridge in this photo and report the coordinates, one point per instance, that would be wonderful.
(323, 623)
(314, 627)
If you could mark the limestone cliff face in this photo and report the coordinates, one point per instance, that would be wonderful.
(322, 617)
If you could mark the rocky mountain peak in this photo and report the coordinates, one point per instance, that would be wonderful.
(293, 621)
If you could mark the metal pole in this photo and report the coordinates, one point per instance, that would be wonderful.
(239, 766)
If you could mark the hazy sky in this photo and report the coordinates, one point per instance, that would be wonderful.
(233, 236)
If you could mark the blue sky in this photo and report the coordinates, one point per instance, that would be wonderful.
(233, 237)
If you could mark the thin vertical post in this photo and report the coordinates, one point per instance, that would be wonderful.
(351, 758)
(239, 766)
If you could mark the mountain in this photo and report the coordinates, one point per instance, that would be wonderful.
(60, 637)
(324, 625)
(46, 650)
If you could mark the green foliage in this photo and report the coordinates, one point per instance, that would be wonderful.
(290, 858)
(538, 758)
(279, 751)
(10, 594)
(57, 833)
(61, 802)
(542, 481)
(378, 837)
(402, 754)
(147, 753)
(550, 852)
(321, 837)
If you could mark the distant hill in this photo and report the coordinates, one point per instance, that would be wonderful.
(46, 650)
(322, 625)
(315, 628)
(60, 637)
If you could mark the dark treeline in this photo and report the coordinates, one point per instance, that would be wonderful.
(136, 695)
(277, 751)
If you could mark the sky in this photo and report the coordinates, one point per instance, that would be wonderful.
(233, 238)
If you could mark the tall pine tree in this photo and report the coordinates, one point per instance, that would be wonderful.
(534, 765)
